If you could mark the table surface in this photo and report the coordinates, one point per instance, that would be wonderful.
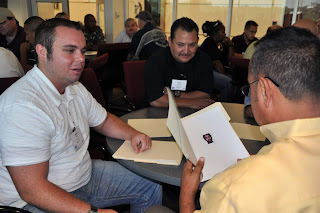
(167, 173)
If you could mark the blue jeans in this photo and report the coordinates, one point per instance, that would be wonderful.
(223, 84)
(112, 185)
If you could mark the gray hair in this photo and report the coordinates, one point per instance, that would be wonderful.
(290, 56)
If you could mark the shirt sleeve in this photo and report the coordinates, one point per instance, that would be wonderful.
(25, 140)
(101, 39)
(206, 79)
(135, 42)
(95, 112)
(154, 79)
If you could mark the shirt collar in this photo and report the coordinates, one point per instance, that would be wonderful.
(52, 90)
(300, 127)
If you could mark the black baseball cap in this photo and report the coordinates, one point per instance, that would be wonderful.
(144, 16)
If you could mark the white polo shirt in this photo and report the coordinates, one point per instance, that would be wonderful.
(36, 123)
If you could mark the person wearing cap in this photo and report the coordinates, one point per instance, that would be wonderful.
(131, 27)
(11, 34)
(147, 40)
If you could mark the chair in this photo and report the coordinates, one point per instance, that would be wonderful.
(134, 81)
(12, 209)
(7, 82)
(96, 147)
(239, 70)
(113, 73)
(99, 64)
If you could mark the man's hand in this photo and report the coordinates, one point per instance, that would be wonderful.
(140, 142)
(190, 182)
(200, 103)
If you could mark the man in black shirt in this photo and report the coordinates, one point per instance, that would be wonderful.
(181, 67)
(241, 42)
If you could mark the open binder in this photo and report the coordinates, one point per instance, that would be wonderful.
(206, 133)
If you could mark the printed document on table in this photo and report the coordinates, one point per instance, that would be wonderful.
(206, 133)
(151, 127)
(161, 152)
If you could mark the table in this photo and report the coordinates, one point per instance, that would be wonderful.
(166, 173)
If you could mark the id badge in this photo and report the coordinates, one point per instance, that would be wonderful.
(77, 139)
(178, 85)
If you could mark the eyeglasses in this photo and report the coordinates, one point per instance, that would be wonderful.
(246, 89)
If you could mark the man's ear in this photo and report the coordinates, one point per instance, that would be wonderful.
(265, 91)
(41, 52)
(169, 41)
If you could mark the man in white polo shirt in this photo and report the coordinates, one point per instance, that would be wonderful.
(44, 135)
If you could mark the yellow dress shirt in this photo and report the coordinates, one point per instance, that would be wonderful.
(284, 177)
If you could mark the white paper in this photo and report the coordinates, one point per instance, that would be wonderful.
(189, 131)
(175, 126)
(161, 152)
(151, 127)
(226, 148)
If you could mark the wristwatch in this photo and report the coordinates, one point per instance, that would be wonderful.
(177, 93)
(93, 209)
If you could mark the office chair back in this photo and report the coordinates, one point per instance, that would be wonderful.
(7, 82)
(118, 53)
(134, 80)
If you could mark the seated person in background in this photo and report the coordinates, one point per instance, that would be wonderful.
(283, 176)
(126, 35)
(246, 89)
(251, 48)
(219, 48)
(241, 42)
(183, 68)
(11, 34)
(28, 53)
(147, 40)
(92, 33)
(9, 64)
(307, 24)
(44, 134)
(63, 15)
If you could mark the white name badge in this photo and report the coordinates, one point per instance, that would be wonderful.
(76, 138)
(178, 85)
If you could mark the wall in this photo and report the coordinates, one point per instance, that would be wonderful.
(19, 9)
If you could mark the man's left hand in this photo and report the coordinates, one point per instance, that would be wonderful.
(190, 182)
(140, 142)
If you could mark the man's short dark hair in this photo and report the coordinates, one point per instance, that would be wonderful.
(186, 24)
(290, 57)
(46, 32)
(86, 18)
(250, 23)
(33, 22)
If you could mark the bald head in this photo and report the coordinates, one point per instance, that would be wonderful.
(308, 25)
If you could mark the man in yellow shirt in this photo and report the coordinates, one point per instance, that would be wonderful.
(284, 176)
